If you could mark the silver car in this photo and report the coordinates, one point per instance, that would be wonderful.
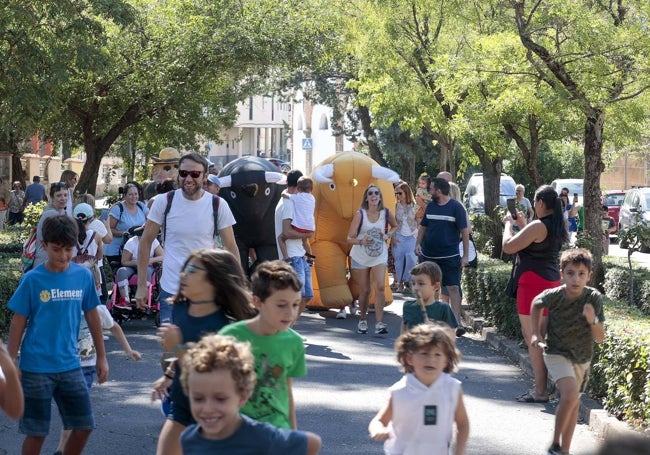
(635, 209)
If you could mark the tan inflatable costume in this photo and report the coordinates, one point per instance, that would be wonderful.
(339, 183)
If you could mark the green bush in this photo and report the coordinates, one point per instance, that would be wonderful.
(617, 284)
(9, 277)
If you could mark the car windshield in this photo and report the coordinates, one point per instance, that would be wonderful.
(614, 199)
(573, 188)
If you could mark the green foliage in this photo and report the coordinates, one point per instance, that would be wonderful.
(33, 213)
(10, 273)
(621, 365)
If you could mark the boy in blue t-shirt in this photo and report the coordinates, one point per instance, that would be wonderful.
(218, 376)
(425, 282)
(47, 307)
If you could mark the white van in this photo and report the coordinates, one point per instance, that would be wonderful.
(574, 186)
(474, 198)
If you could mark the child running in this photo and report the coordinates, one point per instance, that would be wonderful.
(55, 294)
(426, 279)
(279, 351)
(213, 289)
(303, 221)
(575, 321)
(423, 406)
(218, 377)
(88, 355)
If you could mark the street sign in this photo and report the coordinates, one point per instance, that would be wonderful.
(307, 144)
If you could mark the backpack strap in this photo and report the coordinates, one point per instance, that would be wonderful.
(140, 205)
(85, 249)
(170, 198)
(215, 212)
(387, 213)
(360, 222)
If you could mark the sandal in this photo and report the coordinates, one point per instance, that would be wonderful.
(528, 397)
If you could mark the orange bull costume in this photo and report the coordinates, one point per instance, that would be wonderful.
(339, 184)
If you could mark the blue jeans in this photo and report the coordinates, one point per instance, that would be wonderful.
(70, 394)
(405, 258)
(165, 306)
(299, 264)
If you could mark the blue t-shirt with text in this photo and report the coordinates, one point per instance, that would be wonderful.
(54, 304)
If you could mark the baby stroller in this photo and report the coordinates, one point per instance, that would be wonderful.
(121, 312)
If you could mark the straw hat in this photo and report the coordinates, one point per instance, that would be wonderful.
(167, 155)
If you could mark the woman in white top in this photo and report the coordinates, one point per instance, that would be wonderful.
(58, 202)
(70, 179)
(371, 227)
(403, 243)
(88, 243)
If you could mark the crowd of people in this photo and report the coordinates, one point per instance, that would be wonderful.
(229, 348)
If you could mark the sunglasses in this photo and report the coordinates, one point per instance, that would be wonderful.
(58, 186)
(191, 268)
(398, 194)
(194, 174)
(373, 193)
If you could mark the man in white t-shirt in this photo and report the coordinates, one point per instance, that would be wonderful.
(190, 226)
(295, 250)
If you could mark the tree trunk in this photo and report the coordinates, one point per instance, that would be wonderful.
(594, 166)
(370, 135)
(491, 189)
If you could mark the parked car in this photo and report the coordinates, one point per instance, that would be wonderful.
(283, 165)
(634, 210)
(574, 186)
(474, 197)
(613, 199)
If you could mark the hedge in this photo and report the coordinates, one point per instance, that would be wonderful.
(620, 377)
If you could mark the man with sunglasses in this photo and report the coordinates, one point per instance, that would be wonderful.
(188, 225)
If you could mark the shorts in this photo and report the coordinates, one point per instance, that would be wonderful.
(89, 375)
(70, 394)
(299, 264)
(529, 286)
(560, 367)
(450, 268)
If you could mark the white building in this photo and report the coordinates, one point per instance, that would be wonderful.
(312, 121)
(262, 128)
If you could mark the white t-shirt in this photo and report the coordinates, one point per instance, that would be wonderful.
(133, 244)
(85, 346)
(304, 205)
(190, 226)
(284, 211)
(99, 227)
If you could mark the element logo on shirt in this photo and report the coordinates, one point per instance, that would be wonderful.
(45, 296)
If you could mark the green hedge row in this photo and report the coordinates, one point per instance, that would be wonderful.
(620, 377)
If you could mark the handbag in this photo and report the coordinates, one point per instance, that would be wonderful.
(472, 257)
(511, 287)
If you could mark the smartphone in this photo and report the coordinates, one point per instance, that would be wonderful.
(512, 208)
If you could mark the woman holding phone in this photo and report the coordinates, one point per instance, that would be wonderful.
(537, 245)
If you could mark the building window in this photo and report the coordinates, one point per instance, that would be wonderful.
(323, 123)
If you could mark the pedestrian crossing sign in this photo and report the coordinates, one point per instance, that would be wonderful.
(307, 144)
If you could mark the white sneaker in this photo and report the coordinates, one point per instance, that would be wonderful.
(381, 328)
(362, 327)
(341, 314)
(354, 308)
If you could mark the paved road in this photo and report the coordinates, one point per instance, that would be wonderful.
(638, 257)
(346, 384)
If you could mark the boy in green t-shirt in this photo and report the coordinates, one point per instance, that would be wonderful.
(279, 351)
(426, 279)
(575, 321)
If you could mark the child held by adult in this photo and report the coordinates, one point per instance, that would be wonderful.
(56, 292)
(213, 290)
(423, 406)
(219, 377)
(279, 351)
(575, 321)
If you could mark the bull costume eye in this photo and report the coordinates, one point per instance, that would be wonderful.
(332, 186)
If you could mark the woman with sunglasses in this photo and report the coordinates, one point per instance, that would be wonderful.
(131, 212)
(403, 243)
(213, 290)
(57, 206)
(371, 227)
